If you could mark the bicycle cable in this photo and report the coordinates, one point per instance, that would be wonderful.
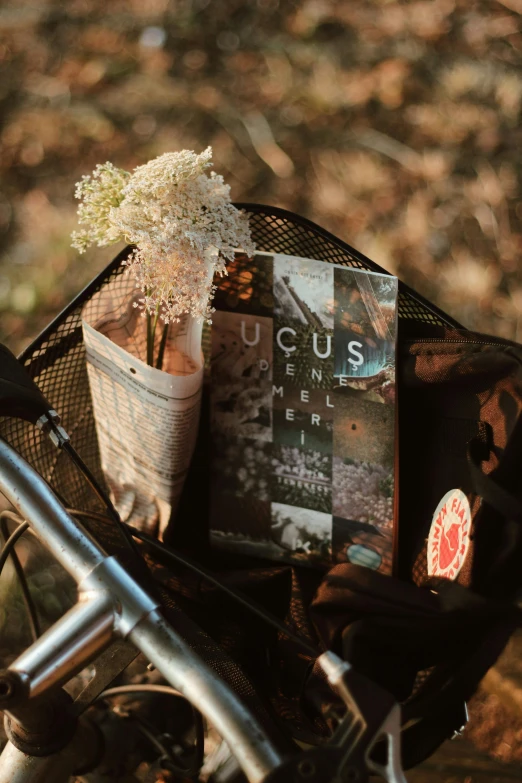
(114, 515)
(100, 492)
(235, 594)
(8, 549)
(188, 772)
(11, 540)
(129, 533)
(147, 687)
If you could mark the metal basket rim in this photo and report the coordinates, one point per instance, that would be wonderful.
(251, 208)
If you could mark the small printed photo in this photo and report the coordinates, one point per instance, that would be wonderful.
(379, 388)
(247, 287)
(301, 534)
(363, 492)
(364, 431)
(242, 409)
(242, 525)
(302, 478)
(365, 317)
(241, 467)
(241, 346)
(366, 303)
(303, 355)
(303, 291)
(357, 356)
(362, 544)
(303, 417)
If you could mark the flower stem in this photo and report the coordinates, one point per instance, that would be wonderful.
(152, 323)
(150, 341)
(161, 351)
(151, 329)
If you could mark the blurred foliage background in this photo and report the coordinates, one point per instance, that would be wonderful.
(394, 125)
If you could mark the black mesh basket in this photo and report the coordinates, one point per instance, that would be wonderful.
(56, 361)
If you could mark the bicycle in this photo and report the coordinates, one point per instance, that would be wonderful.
(125, 607)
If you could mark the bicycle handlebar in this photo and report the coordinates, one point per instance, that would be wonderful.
(111, 602)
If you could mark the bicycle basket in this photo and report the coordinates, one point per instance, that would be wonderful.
(228, 639)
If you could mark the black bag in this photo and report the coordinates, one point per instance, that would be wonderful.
(460, 399)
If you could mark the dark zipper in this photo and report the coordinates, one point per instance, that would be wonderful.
(450, 340)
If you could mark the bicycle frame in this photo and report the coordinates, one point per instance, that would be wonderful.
(111, 603)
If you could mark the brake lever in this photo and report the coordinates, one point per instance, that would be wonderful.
(372, 716)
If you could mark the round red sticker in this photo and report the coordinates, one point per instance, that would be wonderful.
(448, 541)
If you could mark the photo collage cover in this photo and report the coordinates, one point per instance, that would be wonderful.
(302, 406)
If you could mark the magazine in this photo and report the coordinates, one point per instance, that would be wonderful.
(302, 410)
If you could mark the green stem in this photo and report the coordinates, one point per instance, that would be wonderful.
(150, 341)
(151, 333)
(161, 351)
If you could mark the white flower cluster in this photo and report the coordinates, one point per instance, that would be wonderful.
(361, 492)
(181, 221)
(100, 193)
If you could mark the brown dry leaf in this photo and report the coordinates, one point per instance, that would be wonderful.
(144, 93)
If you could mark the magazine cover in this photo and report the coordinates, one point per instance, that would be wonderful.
(302, 406)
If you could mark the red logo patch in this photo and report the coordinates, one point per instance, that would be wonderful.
(448, 541)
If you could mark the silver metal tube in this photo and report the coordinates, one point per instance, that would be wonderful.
(137, 617)
(209, 694)
(18, 767)
(131, 602)
(69, 644)
(72, 546)
(82, 751)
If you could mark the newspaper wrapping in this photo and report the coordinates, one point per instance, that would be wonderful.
(146, 419)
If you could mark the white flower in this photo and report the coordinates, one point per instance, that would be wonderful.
(177, 216)
(100, 193)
